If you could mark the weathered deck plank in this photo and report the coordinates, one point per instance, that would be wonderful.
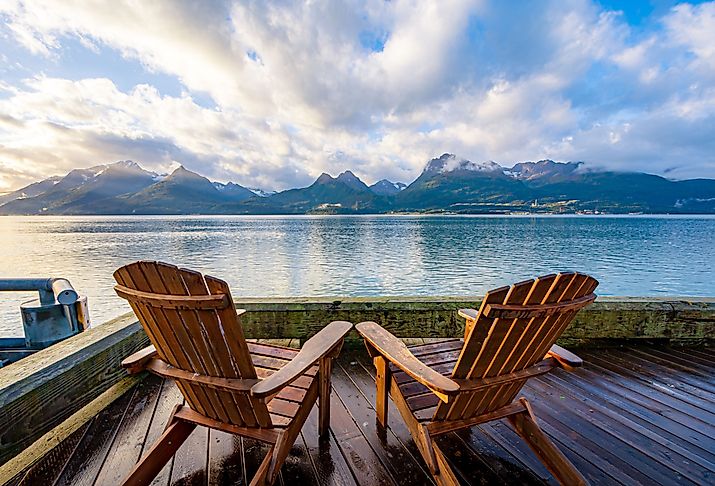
(127, 446)
(631, 415)
(390, 449)
(363, 374)
(225, 463)
(83, 467)
(329, 464)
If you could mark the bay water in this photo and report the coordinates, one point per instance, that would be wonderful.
(343, 256)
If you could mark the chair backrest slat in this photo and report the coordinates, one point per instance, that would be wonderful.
(514, 328)
(176, 326)
(187, 329)
(237, 349)
(199, 332)
(492, 349)
(552, 290)
(554, 325)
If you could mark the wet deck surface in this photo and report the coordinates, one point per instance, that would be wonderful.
(630, 415)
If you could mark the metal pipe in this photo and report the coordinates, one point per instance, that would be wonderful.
(50, 289)
(25, 284)
(64, 293)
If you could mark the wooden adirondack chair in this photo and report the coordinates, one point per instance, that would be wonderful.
(455, 384)
(252, 390)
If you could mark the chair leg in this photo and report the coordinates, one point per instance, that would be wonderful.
(445, 476)
(325, 368)
(434, 457)
(271, 465)
(563, 470)
(261, 478)
(382, 381)
(153, 461)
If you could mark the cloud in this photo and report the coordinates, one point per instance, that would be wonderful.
(277, 92)
(693, 27)
(78, 123)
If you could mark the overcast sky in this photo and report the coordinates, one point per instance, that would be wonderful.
(271, 94)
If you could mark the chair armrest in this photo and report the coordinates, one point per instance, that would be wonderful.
(564, 357)
(398, 354)
(317, 347)
(469, 314)
(136, 363)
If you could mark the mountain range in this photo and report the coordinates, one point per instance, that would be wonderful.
(447, 184)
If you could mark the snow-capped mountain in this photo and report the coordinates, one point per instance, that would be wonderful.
(385, 187)
(260, 192)
(452, 163)
(120, 188)
(30, 190)
(81, 189)
(544, 170)
(447, 183)
(233, 191)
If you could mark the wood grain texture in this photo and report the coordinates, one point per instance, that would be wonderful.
(678, 320)
(316, 348)
(264, 395)
(80, 420)
(623, 436)
(173, 301)
(33, 391)
(395, 351)
(504, 345)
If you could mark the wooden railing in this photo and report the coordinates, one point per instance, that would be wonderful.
(678, 320)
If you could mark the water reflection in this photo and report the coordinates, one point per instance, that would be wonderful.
(352, 256)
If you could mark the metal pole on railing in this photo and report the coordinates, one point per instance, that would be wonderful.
(60, 312)
(50, 289)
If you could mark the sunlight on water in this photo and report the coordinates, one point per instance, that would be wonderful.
(360, 255)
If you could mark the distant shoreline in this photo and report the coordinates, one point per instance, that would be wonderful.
(387, 215)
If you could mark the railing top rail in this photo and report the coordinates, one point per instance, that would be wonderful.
(50, 289)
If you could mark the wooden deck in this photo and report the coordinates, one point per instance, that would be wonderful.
(630, 415)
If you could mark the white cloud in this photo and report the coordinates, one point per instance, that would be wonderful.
(693, 27)
(377, 87)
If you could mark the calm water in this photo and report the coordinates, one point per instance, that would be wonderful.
(360, 256)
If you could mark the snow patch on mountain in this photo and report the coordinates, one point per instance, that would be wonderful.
(386, 187)
(486, 166)
(261, 192)
(543, 169)
(399, 185)
(451, 163)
